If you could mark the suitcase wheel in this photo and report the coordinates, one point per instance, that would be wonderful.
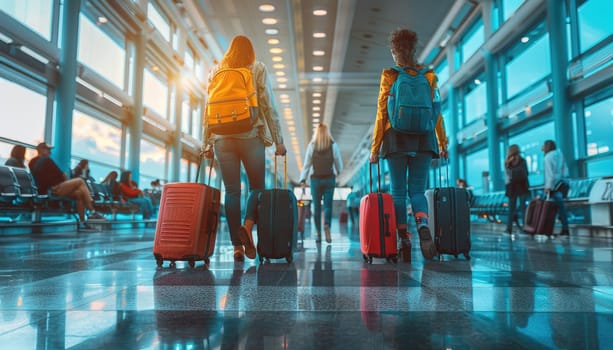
(289, 259)
(467, 256)
(191, 263)
(173, 264)
(207, 261)
(159, 261)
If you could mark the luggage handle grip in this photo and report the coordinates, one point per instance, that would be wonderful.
(284, 171)
(210, 170)
(378, 177)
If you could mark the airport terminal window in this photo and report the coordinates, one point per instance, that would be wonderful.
(152, 160)
(159, 22)
(442, 72)
(95, 140)
(528, 62)
(155, 94)
(477, 163)
(598, 127)
(35, 14)
(185, 117)
(25, 105)
(196, 122)
(600, 167)
(472, 40)
(475, 100)
(96, 50)
(509, 7)
(530, 143)
(183, 173)
(593, 25)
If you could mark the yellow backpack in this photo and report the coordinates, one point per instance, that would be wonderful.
(232, 106)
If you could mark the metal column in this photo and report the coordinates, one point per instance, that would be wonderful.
(493, 135)
(136, 122)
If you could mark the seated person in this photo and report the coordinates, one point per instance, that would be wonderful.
(49, 177)
(82, 171)
(130, 190)
(18, 157)
(111, 181)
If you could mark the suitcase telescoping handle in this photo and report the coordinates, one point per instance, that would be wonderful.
(210, 170)
(440, 173)
(378, 177)
(284, 171)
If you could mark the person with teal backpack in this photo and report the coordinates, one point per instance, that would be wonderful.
(409, 132)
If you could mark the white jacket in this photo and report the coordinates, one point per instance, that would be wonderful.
(555, 168)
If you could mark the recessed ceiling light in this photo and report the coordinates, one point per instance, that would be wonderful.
(525, 39)
(102, 19)
(277, 58)
(278, 66)
(319, 52)
(272, 31)
(318, 68)
(316, 108)
(280, 73)
(273, 41)
(269, 21)
(284, 96)
(282, 80)
(317, 94)
(266, 8)
(276, 50)
(316, 114)
(317, 80)
(282, 86)
(320, 12)
(316, 102)
(315, 120)
(319, 35)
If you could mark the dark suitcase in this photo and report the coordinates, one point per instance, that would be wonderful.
(540, 217)
(303, 208)
(277, 222)
(449, 219)
(187, 223)
(378, 224)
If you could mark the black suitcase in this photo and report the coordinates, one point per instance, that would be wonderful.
(449, 220)
(540, 217)
(277, 222)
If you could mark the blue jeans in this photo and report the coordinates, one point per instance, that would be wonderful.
(513, 208)
(559, 200)
(322, 187)
(417, 167)
(230, 154)
(146, 208)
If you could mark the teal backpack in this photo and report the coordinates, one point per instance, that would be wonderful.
(410, 106)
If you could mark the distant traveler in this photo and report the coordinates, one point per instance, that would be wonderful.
(555, 170)
(246, 147)
(49, 177)
(18, 157)
(82, 170)
(517, 185)
(409, 147)
(323, 157)
(353, 206)
(131, 192)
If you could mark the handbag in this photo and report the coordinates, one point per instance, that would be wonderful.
(562, 187)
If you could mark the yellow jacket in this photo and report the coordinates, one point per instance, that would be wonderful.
(382, 123)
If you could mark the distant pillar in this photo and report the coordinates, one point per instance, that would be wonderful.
(67, 86)
(491, 121)
(136, 123)
(451, 126)
(559, 83)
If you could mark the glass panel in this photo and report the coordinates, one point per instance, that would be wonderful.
(97, 50)
(472, 41)
(598, 127)
(35, 14)
(185, 117)
(601, 167)
(183, 174)
(593, 24)
(527, 64)
(155, 93)
(442, 72)
(152, 161)
(530, 143)
(26, 106)
(509, 7)
(475, 102)
(159, 22)
(96, 141)
(478, 163)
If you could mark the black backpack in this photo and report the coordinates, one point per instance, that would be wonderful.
(323, 163)
(519, 172)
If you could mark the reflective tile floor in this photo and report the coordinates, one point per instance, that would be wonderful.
(104, 291)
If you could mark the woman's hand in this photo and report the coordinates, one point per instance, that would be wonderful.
(206, 151)
(374, 158)
(280, 151)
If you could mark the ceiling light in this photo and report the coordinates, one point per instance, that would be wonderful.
(291, 128)
(320, 12)
(277, 58)
(290, 122)
(282, 80)
(318, 68)
(316, 102)
(477, 81)
(525, 39)
(317, 80)
(316, 115)
(319, 52)
(319, 35)
(276, 50)
(284, 96)
(272, 31)
(269, 21)
(282, 86)
(316, 108)
(102, 20)
(273, 41)
(278, 66)
(266, 8)
(280, 73)
(317, 94)
(315, 121)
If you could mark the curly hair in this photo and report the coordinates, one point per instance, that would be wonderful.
(403, 43)
(240, 54)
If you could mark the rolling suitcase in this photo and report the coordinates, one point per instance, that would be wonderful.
(277, 221)
(187, 222)
(303, 207)
(540, 217)
(449, 219)
(378, 224)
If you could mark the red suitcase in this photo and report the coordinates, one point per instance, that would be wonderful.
(187, 223)
(540, 217)
(378, 224)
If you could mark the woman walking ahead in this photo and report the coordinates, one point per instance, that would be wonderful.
(517, 185)
(408, 151)
(246, 147)
(324, 157)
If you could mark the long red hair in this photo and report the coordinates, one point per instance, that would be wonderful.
(239, 54)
